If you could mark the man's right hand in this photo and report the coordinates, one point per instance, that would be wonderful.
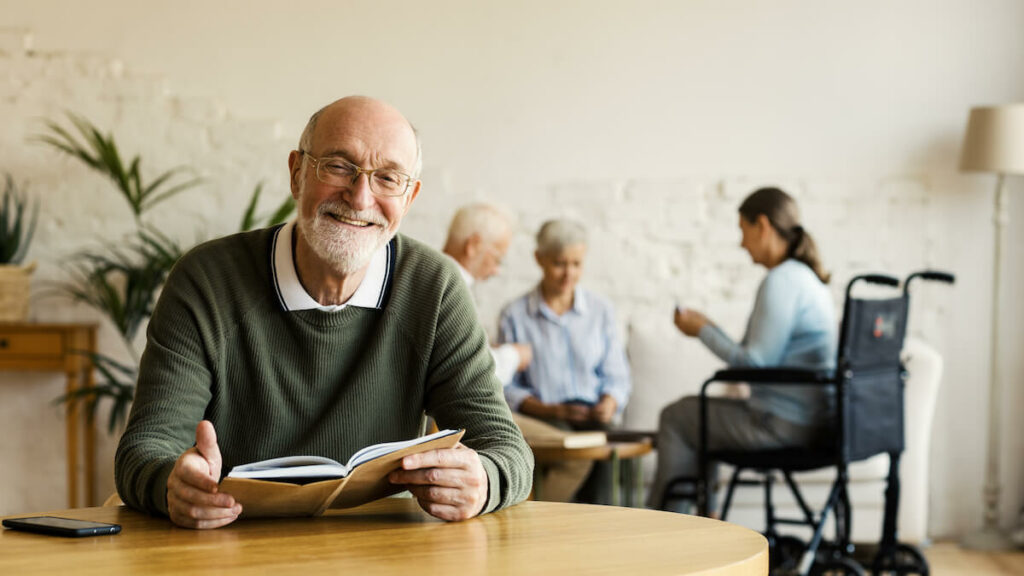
(193, 500)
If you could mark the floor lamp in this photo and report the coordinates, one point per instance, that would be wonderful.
(994, 143)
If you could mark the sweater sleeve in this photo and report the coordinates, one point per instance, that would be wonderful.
(174, 388)
(463, 392)
(768, 330)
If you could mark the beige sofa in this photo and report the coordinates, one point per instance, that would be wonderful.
(666, 366)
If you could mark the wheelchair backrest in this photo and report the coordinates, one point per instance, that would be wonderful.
(871, 376)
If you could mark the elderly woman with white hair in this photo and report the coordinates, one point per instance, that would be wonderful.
(579, 378)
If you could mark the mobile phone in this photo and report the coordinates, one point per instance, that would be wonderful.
(61, 526)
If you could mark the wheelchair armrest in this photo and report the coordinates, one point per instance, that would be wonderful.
(772, 375)
(768, 376)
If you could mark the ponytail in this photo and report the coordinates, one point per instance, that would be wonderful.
(803, 249)
(781, 210)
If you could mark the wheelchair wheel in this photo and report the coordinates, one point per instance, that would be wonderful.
(785, 553)
(837, 567)
(900, 560)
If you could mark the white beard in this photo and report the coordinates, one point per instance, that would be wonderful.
(345, 249)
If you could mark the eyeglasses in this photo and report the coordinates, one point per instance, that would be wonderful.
(336, 171)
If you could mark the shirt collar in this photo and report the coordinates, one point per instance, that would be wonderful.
(293, 296)
(535, 303)
(462, 270)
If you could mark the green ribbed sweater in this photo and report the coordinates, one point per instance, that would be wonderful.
(276, 383)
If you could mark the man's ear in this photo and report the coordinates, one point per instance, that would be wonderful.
(411, 196)
(294, 168)
(472, 246)
(536, 256)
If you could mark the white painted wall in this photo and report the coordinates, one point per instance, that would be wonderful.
(650, 120)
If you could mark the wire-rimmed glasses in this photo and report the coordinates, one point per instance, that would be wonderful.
(337, 171)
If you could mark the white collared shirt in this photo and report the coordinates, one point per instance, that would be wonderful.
(294, 297)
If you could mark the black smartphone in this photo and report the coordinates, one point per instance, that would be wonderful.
(61, 526)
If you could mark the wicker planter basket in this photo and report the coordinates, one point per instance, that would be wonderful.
(15, 284)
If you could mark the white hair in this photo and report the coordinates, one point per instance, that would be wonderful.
(490, 222)
(557, 235)
(306, 140)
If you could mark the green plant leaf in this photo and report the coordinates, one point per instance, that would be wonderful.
(100, 152)
(249, 216)
(18, 217)
(283, 212)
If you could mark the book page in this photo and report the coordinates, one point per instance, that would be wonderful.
(303, 469)
(287, 462)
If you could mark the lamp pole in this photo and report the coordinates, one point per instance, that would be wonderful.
(990, 537)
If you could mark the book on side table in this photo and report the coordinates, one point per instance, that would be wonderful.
(309, 485)
(586, 439)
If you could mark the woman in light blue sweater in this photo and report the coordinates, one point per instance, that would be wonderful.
(792, 325)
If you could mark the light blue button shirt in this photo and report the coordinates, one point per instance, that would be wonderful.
(577, 355)
(792, 325)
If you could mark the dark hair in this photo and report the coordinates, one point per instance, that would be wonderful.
(782, 212)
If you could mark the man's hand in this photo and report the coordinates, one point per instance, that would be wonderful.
(690, 321)
(450, 484)
(193, 500)
(525, 356)
(604, 410)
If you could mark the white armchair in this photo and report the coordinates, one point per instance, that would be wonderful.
(667, 366)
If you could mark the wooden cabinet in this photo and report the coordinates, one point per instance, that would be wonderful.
(59, 348)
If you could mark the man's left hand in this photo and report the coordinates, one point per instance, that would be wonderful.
(450, 484)
(604, 410)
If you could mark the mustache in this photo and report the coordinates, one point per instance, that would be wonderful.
(342, 209)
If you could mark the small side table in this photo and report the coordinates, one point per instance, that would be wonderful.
(63, 348)
(629, 477)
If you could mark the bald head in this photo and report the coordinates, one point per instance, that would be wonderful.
(358, 113)
(478, 239)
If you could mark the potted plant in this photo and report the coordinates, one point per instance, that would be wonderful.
(121, 281)
(18, 217)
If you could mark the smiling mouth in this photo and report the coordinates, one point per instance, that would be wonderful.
(350, 221)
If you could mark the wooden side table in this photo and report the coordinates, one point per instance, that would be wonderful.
(56, 348)
(629, 477)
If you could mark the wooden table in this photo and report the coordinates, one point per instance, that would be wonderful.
(629, 477)
(392, 536)
(54, 348)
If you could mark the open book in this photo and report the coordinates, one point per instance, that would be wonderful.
(309, 485)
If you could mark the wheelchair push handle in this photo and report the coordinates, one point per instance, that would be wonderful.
(930, 275)
(883, 279)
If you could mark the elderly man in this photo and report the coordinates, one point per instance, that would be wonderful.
(478, 240)
(321, 337)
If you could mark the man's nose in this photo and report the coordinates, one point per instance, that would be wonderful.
(358, 194)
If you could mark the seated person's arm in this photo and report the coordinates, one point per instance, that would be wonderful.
(494, 467)
(156, 468)
(613, 373)
(771, 323)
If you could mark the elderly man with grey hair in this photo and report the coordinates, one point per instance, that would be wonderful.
(322, 336)
(478, 240)
(579, 378)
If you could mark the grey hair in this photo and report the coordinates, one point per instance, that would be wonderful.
(557, 235)
(488, 221)
(306, 140)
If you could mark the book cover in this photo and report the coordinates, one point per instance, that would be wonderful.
(587, 439)
(297, 486)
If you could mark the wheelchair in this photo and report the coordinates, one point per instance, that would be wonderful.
(868, 383)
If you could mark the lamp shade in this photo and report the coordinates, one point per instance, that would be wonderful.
(995, 140)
